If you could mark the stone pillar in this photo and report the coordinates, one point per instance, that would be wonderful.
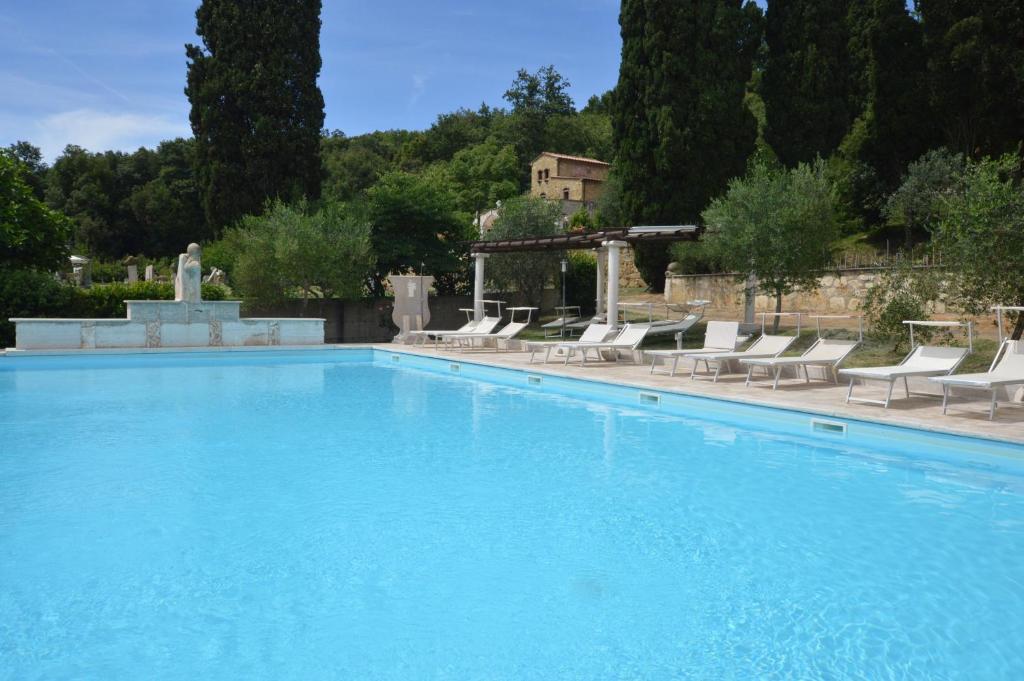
(614, 255)
(478, 286)
(602, 263)
(749, 300)
(149, 273)
(133, 273)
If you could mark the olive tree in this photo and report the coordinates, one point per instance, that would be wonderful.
(526, 273)
(776, 224)
(980, 235)
(293, 251)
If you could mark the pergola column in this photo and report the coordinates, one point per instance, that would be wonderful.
(602, 263)
(614, 256)
(478, 286)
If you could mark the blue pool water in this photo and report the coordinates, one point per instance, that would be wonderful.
(320, 516)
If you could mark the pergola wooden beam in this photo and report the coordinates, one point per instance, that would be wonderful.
(586, 240)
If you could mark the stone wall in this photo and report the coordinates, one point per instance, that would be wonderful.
(839, 293)
(629, 275)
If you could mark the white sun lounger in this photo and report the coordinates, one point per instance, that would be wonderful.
(568, 315)
(483, 327)
(483, 340)
(828, 353)
(595, 333)
(1007, 370)
(765, 347)
(421, 336)
(923, 361)
(718, 337)
(825, 353)
(628, 340)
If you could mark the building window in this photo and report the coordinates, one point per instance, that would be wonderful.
(565, 193)
(540, 175)
(543, 195)
(547, 173)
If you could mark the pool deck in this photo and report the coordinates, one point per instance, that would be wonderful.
(966, 416)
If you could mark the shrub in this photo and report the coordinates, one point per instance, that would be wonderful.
(902, 293)
(31, 293)
(106, 301)
(581, 281)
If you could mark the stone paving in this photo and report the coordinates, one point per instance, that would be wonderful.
(967, 416)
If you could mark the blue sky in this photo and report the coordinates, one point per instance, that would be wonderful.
(110, 74)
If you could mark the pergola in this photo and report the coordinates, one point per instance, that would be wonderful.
(607, 243)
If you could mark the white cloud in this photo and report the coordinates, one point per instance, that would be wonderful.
(101, 131)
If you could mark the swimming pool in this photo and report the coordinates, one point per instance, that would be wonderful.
(343, 514)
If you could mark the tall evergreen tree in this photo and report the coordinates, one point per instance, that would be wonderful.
(257, 112)
(976, 61)
(680, 127)
(809, 84)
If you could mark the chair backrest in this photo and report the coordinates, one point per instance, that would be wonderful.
(1011, 362)
(934, 358)
(511, 330)
(829, 349)
(467, 327)
(595, 333)
(768, 344)
(631, 335)
(487, 325)
(721, 335)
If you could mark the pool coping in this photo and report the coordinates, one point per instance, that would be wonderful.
(755, 398)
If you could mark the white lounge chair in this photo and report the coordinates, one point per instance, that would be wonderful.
(718, 337)
(765, 347)
(420, 336)
(482, 328)
(1007, 370)
(568, 315)
(828, 353)
(923, 361)
(825, 353)
(595, 333)
(484, 340)
(628, 340)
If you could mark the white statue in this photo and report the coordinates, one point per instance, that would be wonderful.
(216, 276)
(188, 278)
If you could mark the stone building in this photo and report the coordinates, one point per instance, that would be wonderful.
(573, 180)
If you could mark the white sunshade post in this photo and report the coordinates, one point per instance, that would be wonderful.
(478, 286)
(614, 254)
(999, 309)
(859, 318)
(917, 322)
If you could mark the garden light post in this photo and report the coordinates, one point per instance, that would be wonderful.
(565, 265)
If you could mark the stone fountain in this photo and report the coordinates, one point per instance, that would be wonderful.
(185, 322)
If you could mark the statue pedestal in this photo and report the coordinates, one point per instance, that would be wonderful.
(412, 309)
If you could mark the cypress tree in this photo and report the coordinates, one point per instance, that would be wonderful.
(900, 124)
(257, 112)
(976, 64)
(680, 127)
(809, 83)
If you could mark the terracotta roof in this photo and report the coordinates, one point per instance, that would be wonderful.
(567, 157)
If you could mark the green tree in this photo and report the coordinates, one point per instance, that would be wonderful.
(414, 221)
(679, 124)
(525, 273)
(896, 125)
(981, 237)
(917, 203)
(32, 236)
(291, 249)
(484, 174)
(535, 99)
(31, 158)
(976, 65)
(256, 110)
(776, 224)
(808, 81)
